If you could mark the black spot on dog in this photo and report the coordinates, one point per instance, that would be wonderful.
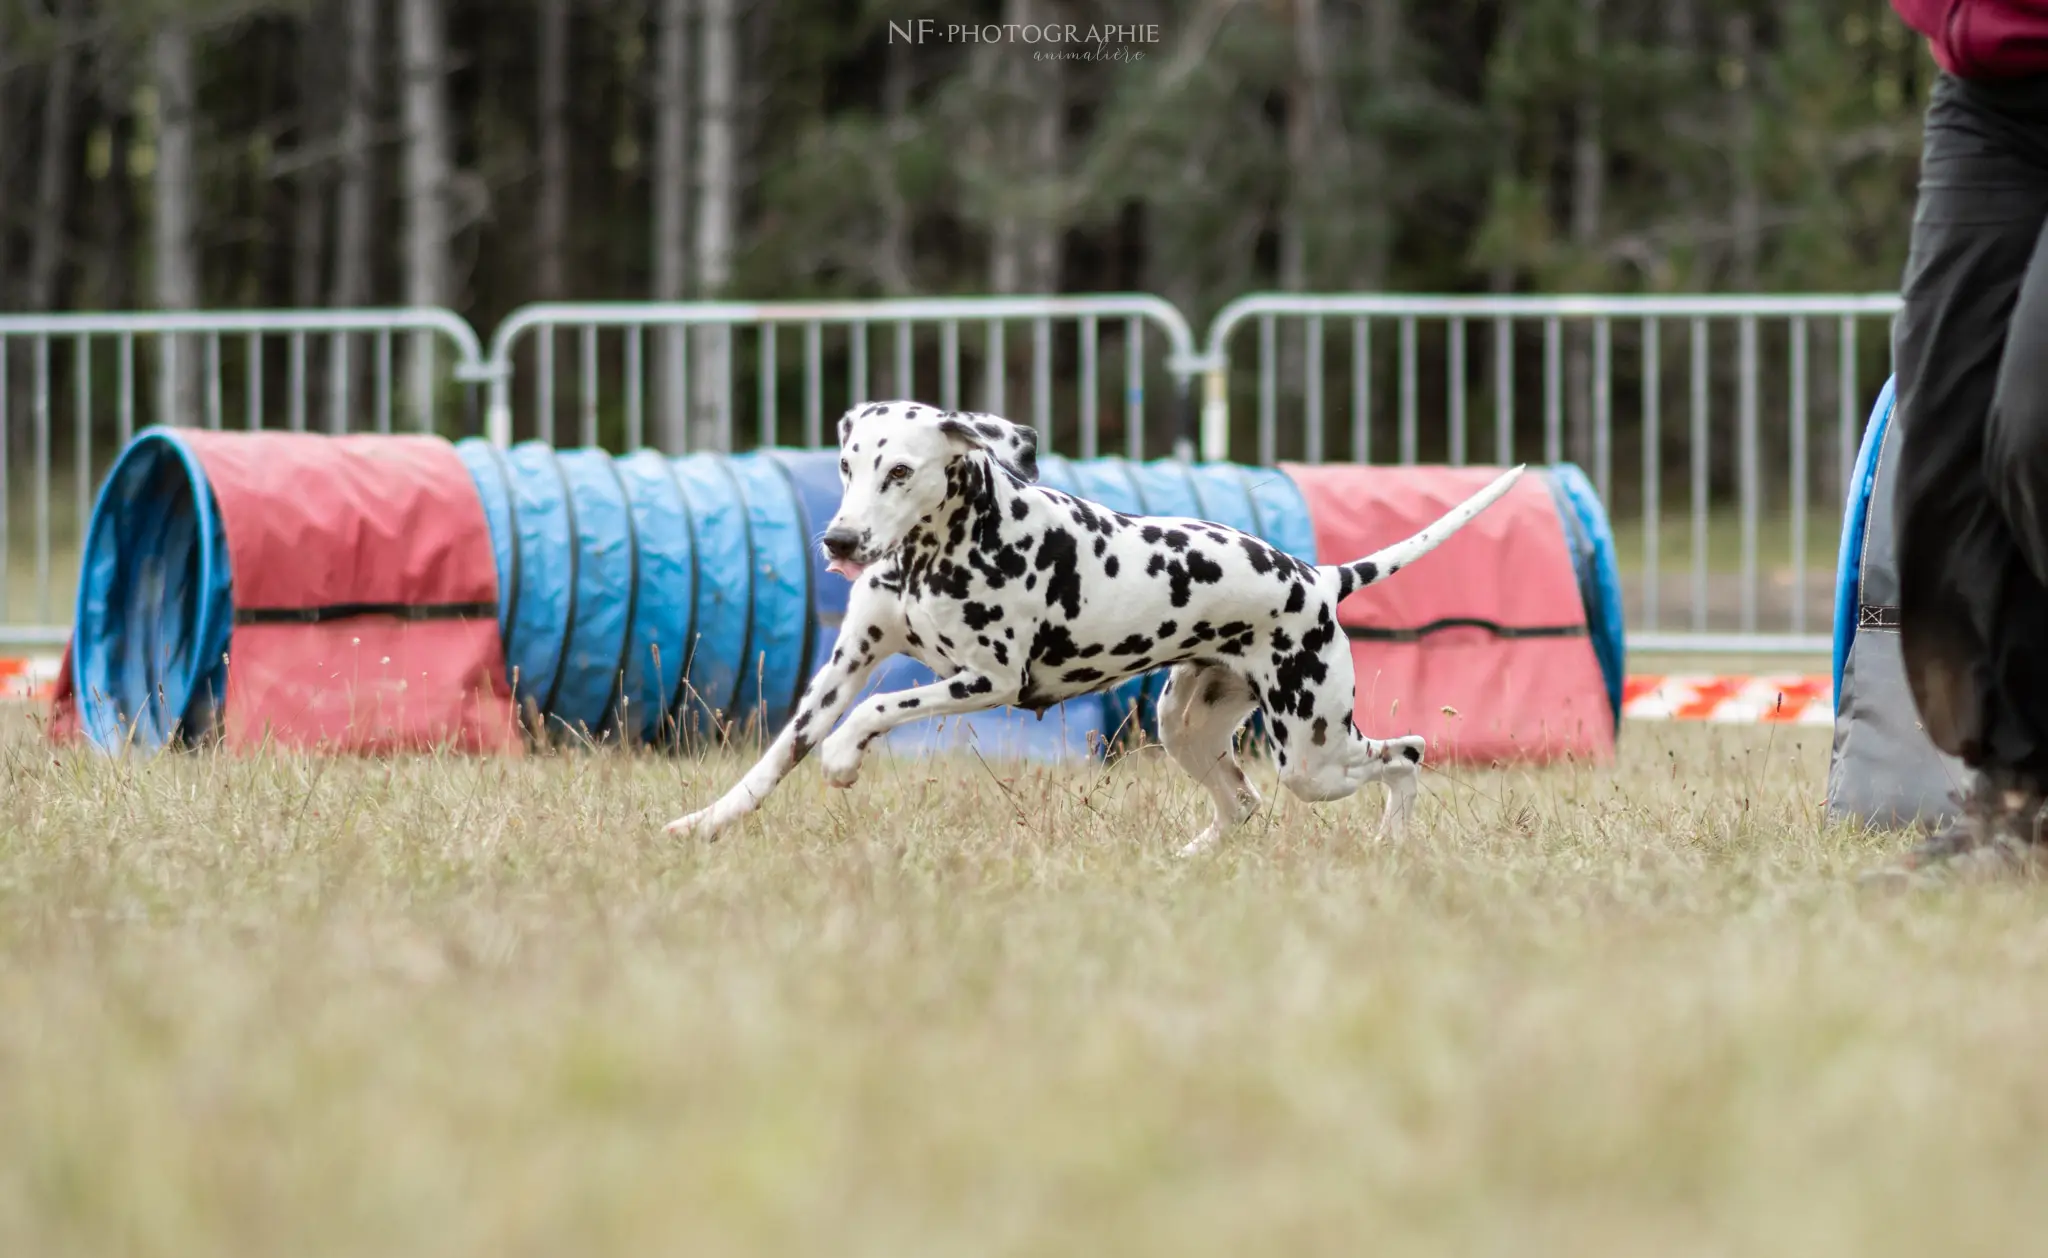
(1109, 566)
(1059, 558)
(1297, 598)
(1320, 732)
(874, 633)
(1053, 646)
(1084, 675)
(829, 698)
(1212, 694)
(1203, 570)
(1018, 510)
(911, 702)
(1135, 644)
(981, 615)
(1414, 754)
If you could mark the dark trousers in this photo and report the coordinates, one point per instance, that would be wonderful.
(1972, 402)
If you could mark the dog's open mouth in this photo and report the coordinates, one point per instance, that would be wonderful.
(847, 568)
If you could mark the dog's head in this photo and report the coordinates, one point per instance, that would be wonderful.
(894, 460)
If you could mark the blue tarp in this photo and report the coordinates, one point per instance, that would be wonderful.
(155, 600)
(1855, 514)
(1592, 545)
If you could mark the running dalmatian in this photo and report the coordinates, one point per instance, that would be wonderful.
(1017, 594)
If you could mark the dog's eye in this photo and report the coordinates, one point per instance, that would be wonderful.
(900, 472)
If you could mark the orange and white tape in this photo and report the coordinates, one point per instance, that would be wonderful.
(30, 678)
(1789, 699)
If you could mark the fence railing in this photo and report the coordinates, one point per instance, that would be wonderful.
(1718, 430)
(65, 379)
(686, 374)
(1760, 399)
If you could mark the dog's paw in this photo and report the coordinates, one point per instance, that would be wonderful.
(706, 824)
(840, 759)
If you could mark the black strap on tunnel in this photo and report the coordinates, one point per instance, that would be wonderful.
(1876, 616)
(810, 647)
(575, 544)
(1374, 633)
(675, 702)
(349, 611)
(609, 722)
(511, 625)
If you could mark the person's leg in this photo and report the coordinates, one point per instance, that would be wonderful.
(1968, 598)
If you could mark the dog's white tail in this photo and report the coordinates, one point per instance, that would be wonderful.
(1382, 564)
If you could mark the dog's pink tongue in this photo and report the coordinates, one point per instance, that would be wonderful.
(847, 568)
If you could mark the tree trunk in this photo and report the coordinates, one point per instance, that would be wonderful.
(997, 70)
(671, 210)
(1745, 215)
(350, 285)
(109, 279)
(1303, 107)
(1375, 209)
(427, 169)
(177, 261)
(892, 252)
(1589, 180)
(551, 215)
(309, 191)
(53, 182)
(1048, 142)
(717, 193)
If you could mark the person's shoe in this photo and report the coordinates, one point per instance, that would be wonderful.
(1997, 832)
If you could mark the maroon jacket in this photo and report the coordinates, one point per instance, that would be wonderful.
(1982, 39)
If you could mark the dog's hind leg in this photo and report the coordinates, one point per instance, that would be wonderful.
(861, 647)
(1199, 715)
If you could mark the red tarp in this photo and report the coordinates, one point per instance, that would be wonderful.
(319, 522)
(1477, 696)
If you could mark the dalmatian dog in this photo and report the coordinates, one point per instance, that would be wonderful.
(1017, 594)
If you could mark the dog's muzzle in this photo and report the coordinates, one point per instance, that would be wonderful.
(842, 546)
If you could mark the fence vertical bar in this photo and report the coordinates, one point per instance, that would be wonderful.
(1553, 391)
(296, 371)
(993, 372)
(1699, 475)
(1410, 440)
(166, 380)
(1848, 434)
(769, 428)
(40, 400)
(1653, 465)
(6, 472)
(1746, 421)
(1134, 388)
(425, 419)
(857, 364)
(81, 448)
(1603, 408)
(1041, 375)
(338, 379)
(949, 364)
(1312, 389)
(636, 400)
(1089, 390)
(1799, 459)
(1361, 390)
(587, 383)
(544, 384)
(214, 402)
(814, 385)
(1504, 391)
(1269, 432)
(124, 408)
(252, 382)
(906, 364)
(1455, 367)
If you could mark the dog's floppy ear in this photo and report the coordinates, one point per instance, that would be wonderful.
(1012, 445)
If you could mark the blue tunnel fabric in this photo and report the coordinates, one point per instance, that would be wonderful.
(1283, 513)
(666, 592)
(1108, 481)
(1855, 516)
(1592, 543)
(602, 598)
(722, 629)
(780, 649)
(155, 604)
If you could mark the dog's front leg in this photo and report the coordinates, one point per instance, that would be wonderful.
(862, 645)
(877, 715)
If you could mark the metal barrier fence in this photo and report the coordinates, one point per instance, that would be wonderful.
(1607, 372)
(680, 374)
(74, 387)
(1709, 402)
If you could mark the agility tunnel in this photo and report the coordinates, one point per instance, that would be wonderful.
(370, 593)
(1883, 770)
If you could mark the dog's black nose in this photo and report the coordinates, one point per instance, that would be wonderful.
(839, 544)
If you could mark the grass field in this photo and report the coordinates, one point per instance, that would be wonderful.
(283, 1006)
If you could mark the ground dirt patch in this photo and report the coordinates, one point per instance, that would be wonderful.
(286, 1006)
